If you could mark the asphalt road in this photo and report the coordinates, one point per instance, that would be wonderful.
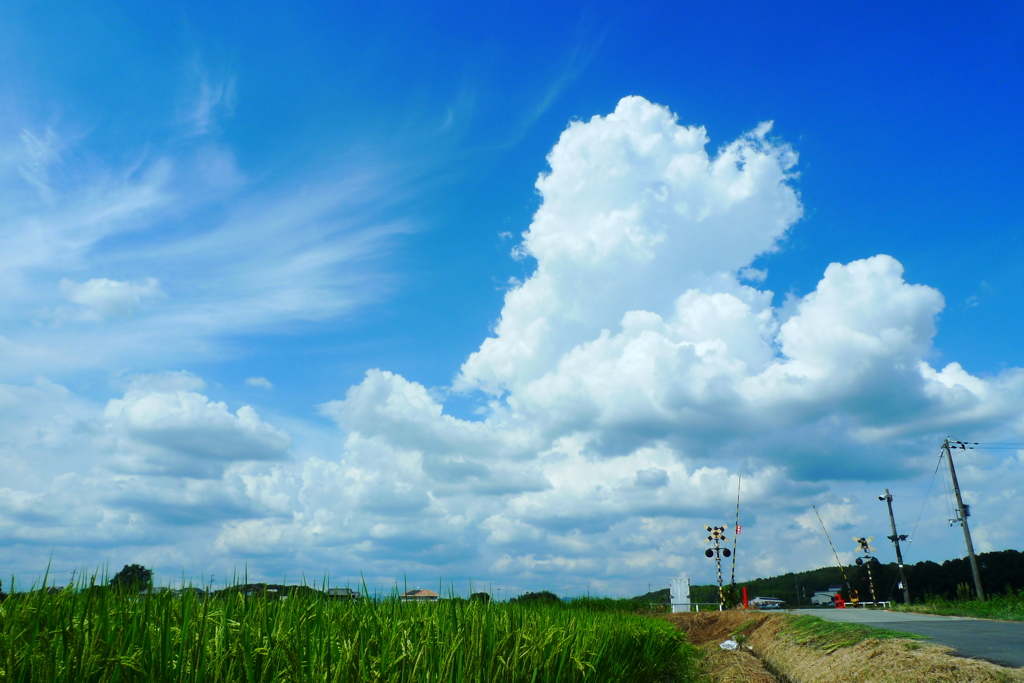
(1000, 642)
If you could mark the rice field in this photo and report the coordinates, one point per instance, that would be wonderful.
(98, 635)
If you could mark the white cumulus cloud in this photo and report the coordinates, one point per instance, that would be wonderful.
(633, 375)
(184, 433)
(101, 298)
(634, 212)
(631, 380)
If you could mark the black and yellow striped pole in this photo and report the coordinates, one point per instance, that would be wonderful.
(717, 552)
(863, 544)
(854, 598)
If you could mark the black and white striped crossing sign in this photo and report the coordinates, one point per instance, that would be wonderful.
(717, 536)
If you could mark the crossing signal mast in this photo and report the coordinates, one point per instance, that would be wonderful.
(718, 552)
(864, 546)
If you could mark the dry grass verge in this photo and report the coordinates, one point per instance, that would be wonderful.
(708, 629)
(737, 666)
(798, 650)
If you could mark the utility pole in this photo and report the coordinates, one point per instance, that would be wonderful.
(963, 512)
(896, 538)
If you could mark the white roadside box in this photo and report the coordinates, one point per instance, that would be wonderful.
(680, 593)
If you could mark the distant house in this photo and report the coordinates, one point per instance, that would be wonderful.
(419, 595)
(826, 597)
(767, 603)
(342, 594)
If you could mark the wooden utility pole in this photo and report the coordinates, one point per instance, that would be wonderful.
(896, 538)
(962, 513)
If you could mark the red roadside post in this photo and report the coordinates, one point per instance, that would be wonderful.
(745, 605)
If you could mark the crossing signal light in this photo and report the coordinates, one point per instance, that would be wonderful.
(716, 551)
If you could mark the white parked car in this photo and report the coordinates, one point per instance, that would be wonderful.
(767, 603)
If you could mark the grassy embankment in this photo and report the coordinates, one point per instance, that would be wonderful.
(104, 635)
(806, 649)
(1006, 607)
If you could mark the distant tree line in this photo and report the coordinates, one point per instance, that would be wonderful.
(1000, 571)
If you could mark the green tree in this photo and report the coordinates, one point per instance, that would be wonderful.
(132, 577)
(480, 597)
(541, 596)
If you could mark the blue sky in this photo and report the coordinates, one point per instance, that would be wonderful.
(198, 196)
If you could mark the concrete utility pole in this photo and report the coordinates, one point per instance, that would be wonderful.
(896, 538)
(963, 512)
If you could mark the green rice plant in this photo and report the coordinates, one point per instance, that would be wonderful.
(98, 634)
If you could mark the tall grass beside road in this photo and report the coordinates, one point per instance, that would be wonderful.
(1007, 606)
(102, 635)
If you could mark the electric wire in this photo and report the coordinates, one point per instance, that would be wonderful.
(947, 486)
(926, 497)
(985, 445)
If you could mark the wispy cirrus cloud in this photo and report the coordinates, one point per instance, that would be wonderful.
(177, 248)
(209, 99)
(39, 154)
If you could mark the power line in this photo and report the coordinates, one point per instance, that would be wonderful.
(985, 445)
(927, 495)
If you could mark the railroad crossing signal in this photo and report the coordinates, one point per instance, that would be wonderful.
(717, 535)
(864, 546)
